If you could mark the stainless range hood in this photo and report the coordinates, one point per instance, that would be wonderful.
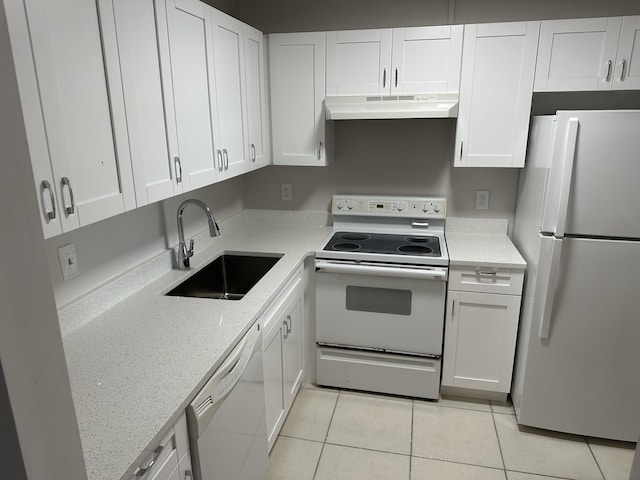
(437, 105)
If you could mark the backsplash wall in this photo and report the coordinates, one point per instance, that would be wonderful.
(407, 157)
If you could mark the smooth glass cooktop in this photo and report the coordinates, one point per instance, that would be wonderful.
(384, 243)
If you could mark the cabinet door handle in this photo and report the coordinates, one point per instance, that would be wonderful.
(384, 78)
(225, 155)
(253, 152)
(286, 329)
(188, 473)
(608, 77)
(453, 309)
(624, 66)
(178, 168)
(289, 324)
(49, 214)
(396, 79)
(71, 208)
(220, 164)
(156, 453)
(319, 150)
(461, 146)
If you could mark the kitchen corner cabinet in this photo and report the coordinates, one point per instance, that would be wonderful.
(297, 76)
(483, 310)
(186, 60)
(394, 61)
(283, 354)
(77, 138)
(496, 87)
(170, 459)
(589, 54)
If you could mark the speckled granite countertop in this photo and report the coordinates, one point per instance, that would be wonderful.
(135, 367)
(483, 243)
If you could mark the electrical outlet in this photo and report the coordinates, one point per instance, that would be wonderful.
(68, 261)
(286, 191)
(482, 199)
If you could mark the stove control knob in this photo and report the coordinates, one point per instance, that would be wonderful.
(349, 204)
(437, 207)
(401, 206)
(340, 204)
(425, 207)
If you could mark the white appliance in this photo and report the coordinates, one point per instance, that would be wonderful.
(578, 226)
(380, 295)
(226, 420)
(431, 105)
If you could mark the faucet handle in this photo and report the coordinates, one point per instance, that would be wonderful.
(190, 251)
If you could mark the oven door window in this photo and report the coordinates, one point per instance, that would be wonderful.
(378, 300)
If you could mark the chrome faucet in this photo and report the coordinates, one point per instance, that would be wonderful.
(183, 253)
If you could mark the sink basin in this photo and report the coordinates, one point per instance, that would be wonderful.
(228, 277)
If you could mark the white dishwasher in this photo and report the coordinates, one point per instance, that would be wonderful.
(226, 420)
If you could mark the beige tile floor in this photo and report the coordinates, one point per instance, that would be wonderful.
(335, 434)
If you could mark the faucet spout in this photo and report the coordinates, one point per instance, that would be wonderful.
(185, 253)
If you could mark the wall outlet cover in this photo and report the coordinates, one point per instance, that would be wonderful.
(286, 191)
(68, 261)
(482, 199)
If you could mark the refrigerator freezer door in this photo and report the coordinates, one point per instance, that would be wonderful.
(583, 378)
(600, 193)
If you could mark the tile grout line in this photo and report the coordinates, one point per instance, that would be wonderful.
(594, 457)
(495, 427)
(335, 405)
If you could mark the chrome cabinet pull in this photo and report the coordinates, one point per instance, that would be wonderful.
(225, 155)
(178, 167)
(461, 145)
(156, 453)
(624, 66)
(50, 214)
(319, 150)
(384, 78)
(485, 273)
(188, 473)
(220, 164)
(286, 329)
(453, 309)
(253, 152)
(289, 324)
(396, 81)
(69, 209)
(608, 77)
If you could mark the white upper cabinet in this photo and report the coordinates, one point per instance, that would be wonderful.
(186, 59)
(589, 54)
(297, 68)
(77, 139)
(498, 64)
(229, 111)
(627, 73)
(135, 27)
(258, 145)
(394, 61)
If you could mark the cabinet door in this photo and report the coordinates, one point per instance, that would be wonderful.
(627, 71)
(135, 26)
(359, 62)
(91, 165)
(273, 381)
(256, 95)
(577, 54)
(426, 59)
(297, 62)
(186, 55)
(498, 64)
(480, 339)
(229, 110)
(293, 352)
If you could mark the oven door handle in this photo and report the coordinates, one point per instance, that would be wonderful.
(380, 271)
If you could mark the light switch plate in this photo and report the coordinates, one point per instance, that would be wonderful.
(482, 199)
(68, 261)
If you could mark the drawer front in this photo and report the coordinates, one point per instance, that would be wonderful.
(486, 280)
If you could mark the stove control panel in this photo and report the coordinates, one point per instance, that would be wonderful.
(388, 206)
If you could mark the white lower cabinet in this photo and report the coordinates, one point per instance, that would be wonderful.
(483, 310)
(170, 459)
(283, 354)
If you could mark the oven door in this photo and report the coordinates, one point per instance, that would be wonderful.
(380, 307)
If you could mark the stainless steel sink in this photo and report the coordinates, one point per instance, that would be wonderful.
(228, 277)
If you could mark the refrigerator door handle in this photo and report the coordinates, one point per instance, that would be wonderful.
(567, 174)
(549, 281)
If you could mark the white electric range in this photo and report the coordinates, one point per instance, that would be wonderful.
(380, 295)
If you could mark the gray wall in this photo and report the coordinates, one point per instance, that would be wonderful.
(308, 15)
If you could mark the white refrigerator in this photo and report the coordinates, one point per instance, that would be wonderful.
(578, 226)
